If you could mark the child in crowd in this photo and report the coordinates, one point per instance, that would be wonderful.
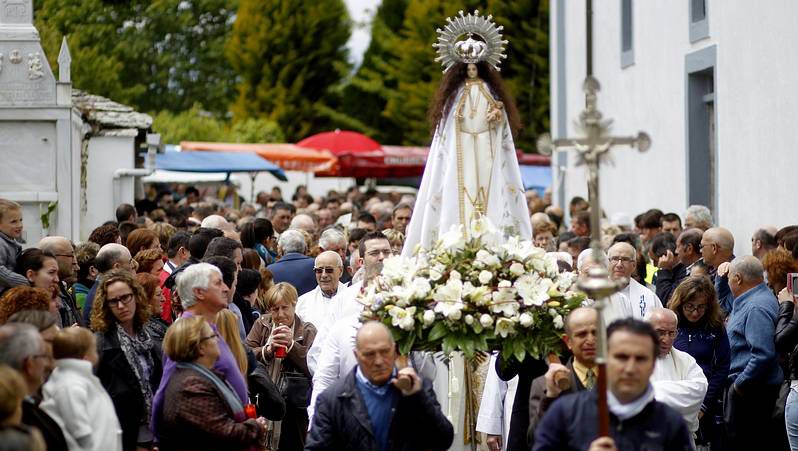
(75, 398)
(10, 231)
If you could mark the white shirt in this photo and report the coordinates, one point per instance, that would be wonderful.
(334, 352)
(496, 406)
(315, 307)
(77, 401)
(342, 305)
(680, 383)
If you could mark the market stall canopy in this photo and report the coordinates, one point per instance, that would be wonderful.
(225, 162)
(385, 162)
(340, 142)
(290, 157)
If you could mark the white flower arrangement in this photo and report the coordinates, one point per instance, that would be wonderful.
(472, 292)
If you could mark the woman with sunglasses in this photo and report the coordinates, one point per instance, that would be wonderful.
(130, 361)
(702, 334)
(281, 340)
(200, 410)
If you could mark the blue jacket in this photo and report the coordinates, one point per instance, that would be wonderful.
(709, 346)
(571, 423)
(296, 269)
(341, 421)
(751, 329)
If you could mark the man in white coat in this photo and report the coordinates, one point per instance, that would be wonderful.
(678, 380)
(496, 407)
(317, 306)
(634, 300)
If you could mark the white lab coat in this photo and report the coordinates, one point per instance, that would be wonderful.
(315, 308)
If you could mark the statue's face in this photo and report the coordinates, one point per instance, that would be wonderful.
(471, 71)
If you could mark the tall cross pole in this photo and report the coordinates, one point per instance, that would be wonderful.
(592, 147)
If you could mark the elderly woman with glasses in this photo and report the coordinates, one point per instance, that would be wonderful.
(281, 340)
(130, 361)
(200, 410)
(702, 334)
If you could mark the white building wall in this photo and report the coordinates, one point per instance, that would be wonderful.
(756, 100)
(106, 155)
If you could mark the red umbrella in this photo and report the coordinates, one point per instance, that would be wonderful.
(387, 162)
(340, 141)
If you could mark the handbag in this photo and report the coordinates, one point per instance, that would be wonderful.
(295, 388)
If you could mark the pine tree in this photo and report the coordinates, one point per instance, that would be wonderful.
(526, 69)
(288, 55)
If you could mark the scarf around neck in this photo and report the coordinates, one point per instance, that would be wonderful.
(629, 410)
(137, 351)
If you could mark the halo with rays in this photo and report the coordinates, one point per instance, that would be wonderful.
(452, 49)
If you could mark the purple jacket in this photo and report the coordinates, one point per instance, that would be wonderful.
(226, 365)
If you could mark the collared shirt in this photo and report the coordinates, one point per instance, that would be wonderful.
(581, 372)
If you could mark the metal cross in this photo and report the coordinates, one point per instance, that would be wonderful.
(592, 148)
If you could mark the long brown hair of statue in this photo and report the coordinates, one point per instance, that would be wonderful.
(454, 79)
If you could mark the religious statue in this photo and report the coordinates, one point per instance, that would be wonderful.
(472, 169)
(35, 69)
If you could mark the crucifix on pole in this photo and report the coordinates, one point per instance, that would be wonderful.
(592, 147)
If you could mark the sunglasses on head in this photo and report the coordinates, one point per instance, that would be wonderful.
(326, 269)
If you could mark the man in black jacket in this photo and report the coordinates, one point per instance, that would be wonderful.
(637, 421)
(376, 406)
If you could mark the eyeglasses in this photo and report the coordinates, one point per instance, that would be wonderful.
(124, 299)
(209, 337)
(666, 333)
(694, 308)
(617, 259)
(66, 255)
(325, 269)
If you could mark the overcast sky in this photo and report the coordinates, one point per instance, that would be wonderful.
(361, 12)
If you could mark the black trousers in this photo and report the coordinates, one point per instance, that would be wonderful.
(748, 418)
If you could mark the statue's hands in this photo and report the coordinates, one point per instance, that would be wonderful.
(494, 115)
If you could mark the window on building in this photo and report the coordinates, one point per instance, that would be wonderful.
(702, 151)
(627, 34)
(699, 25)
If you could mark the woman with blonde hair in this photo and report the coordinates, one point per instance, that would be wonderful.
(130, 361)
(702, 334)
(281, 340)
(200, 409)
(227, 325)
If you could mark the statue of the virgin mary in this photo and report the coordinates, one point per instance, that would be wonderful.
(472, 171)
(472, 168)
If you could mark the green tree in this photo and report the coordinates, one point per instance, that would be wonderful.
(153, 55)
(526, 69)
(364, 98)
(195, 124)
(289, 56)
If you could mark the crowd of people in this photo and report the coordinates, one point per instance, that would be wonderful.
(187, 325)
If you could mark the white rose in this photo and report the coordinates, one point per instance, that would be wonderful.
(505, 284)
(525, 319)
(454, 275)
(485, 277)
(517, 269)
(558, 322)
(429, 318)
(486, 320)
(454, 315)
(469, 319)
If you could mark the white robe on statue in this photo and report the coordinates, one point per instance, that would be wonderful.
(472, 169)
(680, 384)
(483, 169)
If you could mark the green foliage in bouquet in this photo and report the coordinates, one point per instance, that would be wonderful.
(472, 293)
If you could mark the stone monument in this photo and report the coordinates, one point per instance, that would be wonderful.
(40, 134)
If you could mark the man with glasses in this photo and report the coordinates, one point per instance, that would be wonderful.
(23, 349)
(678, 380)
(317, 306)
(67, 269)
(633, 300)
